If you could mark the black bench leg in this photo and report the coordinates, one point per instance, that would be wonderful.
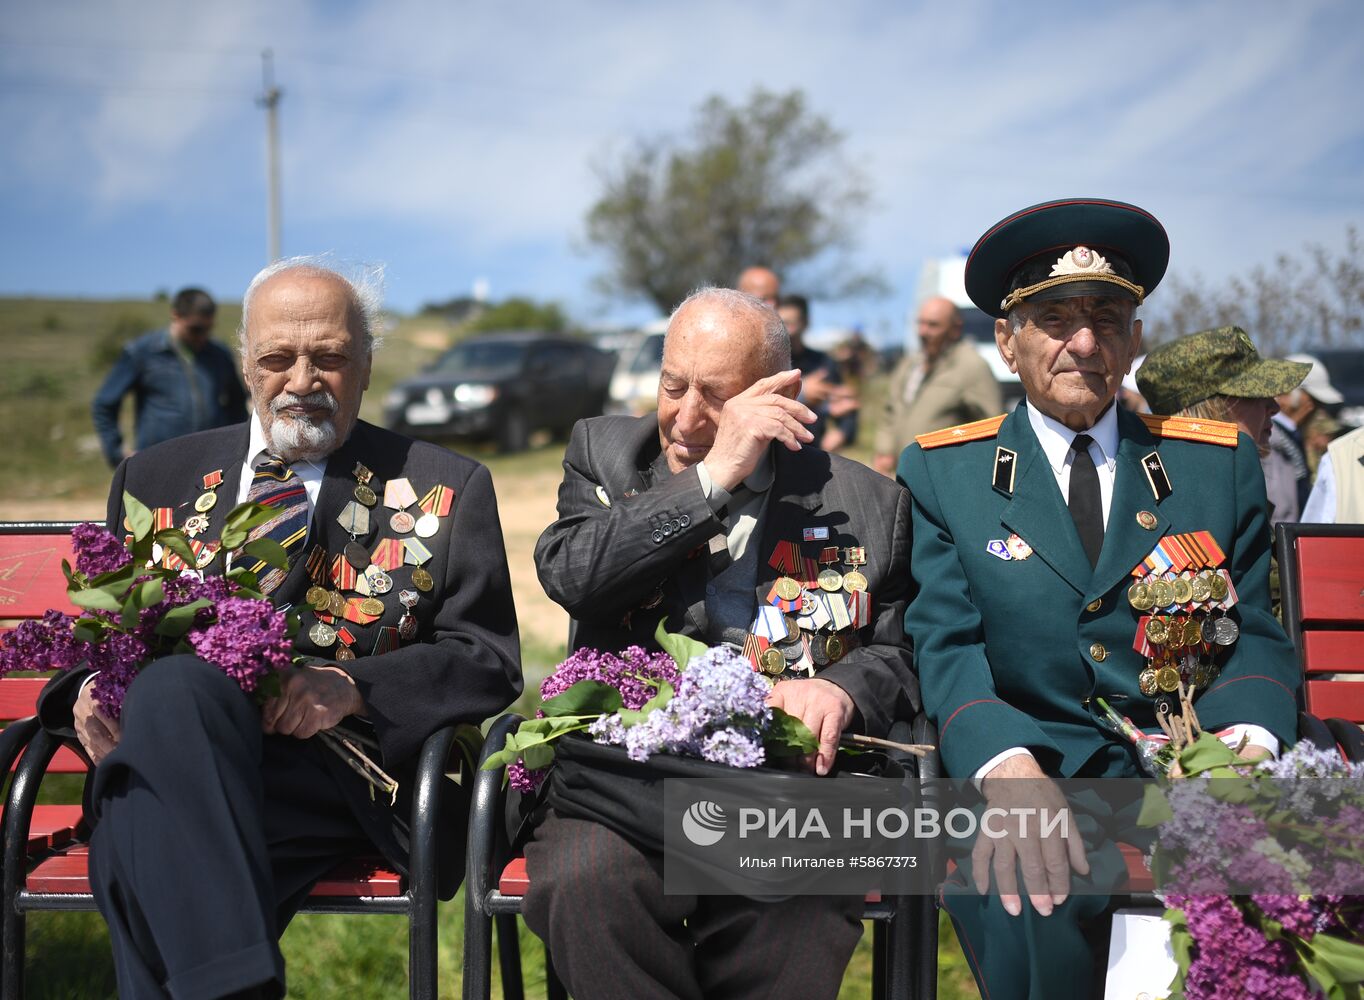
(12, 972)
(509, 956)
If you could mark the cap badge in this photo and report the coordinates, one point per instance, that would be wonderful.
(1081, 260)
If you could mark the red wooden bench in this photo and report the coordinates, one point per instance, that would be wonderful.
(44, 849)
(1321, 581)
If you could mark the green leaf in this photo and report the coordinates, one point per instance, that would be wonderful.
(584, 698)
(1155, 808)
(174, 540)
(1343, 960)
(88, 630)
(177, 621)
(787, 736)
(539, 756)
(239, 522)
(679, 647)
(140, 519)
(269, 551)
(659, 700)
(1204, 754)
(96, 600)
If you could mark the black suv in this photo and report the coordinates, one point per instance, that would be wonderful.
(502, 387)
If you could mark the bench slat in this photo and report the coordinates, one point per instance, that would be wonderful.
(31, 579)
(68, 872)
(52, 826)
(1331, 571)
(1336, 699)
(1328, 652)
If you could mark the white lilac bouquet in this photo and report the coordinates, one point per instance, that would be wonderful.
(1262, 868)
(689, 700)
(145, 600)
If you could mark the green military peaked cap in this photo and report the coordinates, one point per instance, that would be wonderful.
(1061, 249)
(1221, 362)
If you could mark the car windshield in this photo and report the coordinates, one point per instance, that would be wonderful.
(490, 359)
(649, 357)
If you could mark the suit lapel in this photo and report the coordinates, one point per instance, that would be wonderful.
(229, 459)
(1126, 543)
(337, 490)
(1037, 512)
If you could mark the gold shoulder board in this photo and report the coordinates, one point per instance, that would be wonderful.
(1191, 429)
(977, 430)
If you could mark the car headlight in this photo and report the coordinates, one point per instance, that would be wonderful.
(466, 394)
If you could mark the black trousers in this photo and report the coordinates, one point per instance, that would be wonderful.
(598, 900)
(209, 836)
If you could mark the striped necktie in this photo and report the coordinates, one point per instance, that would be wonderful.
(275, 485)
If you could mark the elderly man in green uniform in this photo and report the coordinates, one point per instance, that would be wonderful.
(1030, 534)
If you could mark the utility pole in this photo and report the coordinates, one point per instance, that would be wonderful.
(269, 100)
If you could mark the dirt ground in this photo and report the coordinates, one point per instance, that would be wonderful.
(525, 502)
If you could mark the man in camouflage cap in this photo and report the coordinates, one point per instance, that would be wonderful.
(1220, 368)
(1029, 533)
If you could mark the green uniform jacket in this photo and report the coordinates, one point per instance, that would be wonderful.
(1013, 653)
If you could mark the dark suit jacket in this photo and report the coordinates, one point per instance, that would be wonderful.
(1013, 653)
(463, 665)
(603, 564)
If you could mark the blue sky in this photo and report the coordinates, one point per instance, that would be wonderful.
(457, 141)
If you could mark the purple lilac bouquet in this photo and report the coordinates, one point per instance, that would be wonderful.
(1262, 869)
(689, 700)
(136, 608)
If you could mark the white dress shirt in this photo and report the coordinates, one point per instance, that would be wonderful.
(309, 473)
(1321, 502)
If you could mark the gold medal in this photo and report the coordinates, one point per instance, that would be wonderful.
(1146, 682)
(318, 598)
(1193, 632)
(1162, 594)
(1139, 596)
(1219, 587)
(322, 635)
(787, 588)
(834, 648)
(1183, 590)
(372, 606)
(365, 495)
(772, 662)
(336, 604)
(421, 579)
(205, 502)
(830, 580)
(1201, 589)
(1167, 679)
(1146, 519)
(854, 582)
(1157, 631)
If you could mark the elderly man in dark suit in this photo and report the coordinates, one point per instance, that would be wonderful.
(697, 515)
(398, 569)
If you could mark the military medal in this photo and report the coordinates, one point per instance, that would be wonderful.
(421, 579)
(435, 505)
(356, 554)
(1146, 682)
(399, 495)
(318, 598)
(1147, 520)
(1225, 632)
(1157, 631)
(830, 579)
(195, 524)
(834, 648)
(854, 582)
(210, 495)
(402, 522)
(771, 661)
(1218, 588)
(322, 635)
(1167, 679)
(379, 581)
(414, 552)
(1017, 548)
(345, 640)
(1162, 594)
(1201, 588)
(407, 624)
(1182, 590)
(787, 589)
(336, 604)
(1139, 596)
(362, 492)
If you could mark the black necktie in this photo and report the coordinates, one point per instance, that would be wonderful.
(1086, 506)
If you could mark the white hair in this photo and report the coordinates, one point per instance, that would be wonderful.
(776, 342)
(365, 281)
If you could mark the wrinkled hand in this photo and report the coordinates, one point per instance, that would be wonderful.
(1046, 862)
(311, 699)
(824, 707)
(97, 732)
(817, 387)
(750, 421)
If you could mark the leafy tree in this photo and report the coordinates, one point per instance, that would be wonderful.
(520, 314)
(1313, 299)
(759, 183)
